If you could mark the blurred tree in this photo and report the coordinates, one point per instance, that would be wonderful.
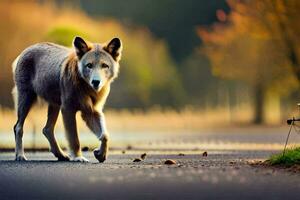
(198, 80)
(173, 21)
(148, 73)
(283, 22)
(253, 44)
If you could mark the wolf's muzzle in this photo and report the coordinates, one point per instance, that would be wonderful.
(96, 83)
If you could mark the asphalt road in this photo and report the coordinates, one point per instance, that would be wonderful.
(220, 175)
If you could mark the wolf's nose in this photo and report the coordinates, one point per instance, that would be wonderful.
(95, 83)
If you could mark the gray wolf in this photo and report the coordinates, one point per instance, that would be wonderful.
(69, 80)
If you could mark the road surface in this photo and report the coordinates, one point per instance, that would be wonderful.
(220, 175)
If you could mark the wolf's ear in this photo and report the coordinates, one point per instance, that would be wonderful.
(80, 46)
(114, 48)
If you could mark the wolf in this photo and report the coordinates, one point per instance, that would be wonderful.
(69, 80)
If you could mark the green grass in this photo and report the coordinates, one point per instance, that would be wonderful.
(291, 157)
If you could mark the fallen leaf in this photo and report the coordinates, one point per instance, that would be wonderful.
(170, 162)
(143, 156)
(137, 160)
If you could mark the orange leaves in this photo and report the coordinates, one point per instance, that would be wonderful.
(221, 15)
(246, 43)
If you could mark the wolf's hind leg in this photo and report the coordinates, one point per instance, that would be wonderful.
(25, 101)
(48, 131)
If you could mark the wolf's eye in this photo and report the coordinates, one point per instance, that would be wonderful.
(105, 65)
(89, 65)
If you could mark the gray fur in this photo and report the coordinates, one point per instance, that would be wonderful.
(69, 82)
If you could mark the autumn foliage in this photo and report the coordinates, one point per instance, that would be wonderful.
(147, 69)
(256, 42)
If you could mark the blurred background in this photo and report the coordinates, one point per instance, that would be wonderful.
(194, 73)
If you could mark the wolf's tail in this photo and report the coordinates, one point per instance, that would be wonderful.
(14, 91)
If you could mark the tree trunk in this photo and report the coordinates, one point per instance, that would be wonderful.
(259, 104)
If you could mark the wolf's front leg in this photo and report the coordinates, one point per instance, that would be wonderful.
(96, 122)
(69, 119)
(101, 153)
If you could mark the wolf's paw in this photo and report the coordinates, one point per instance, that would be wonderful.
(21, 158)
(100, 155)
(60, 155)
(80, 159)
(63, 157)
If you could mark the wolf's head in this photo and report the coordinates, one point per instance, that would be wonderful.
(98, 64)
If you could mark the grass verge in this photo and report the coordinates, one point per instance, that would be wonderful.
(291, 157)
